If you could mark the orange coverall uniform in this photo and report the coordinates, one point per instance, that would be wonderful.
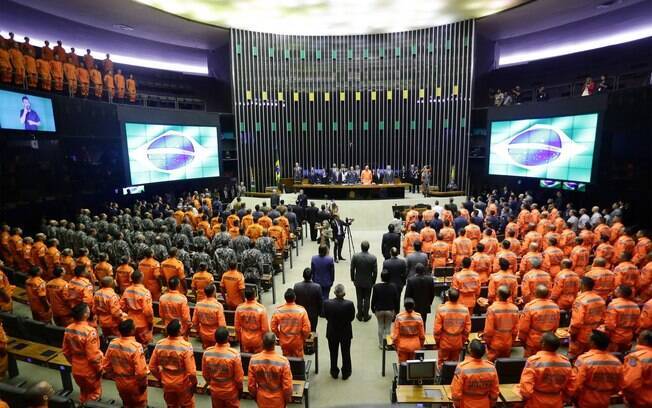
(199, 282)
(500, 329)
(44, 73)
(270, 380)
(530, 282)
(131, 90)
(35, 288)
(57, 293)
(547, 380)
(475, 384)
(208, 316)
(452, 327)
(222, 369)
(151, 270)
(408, 334)
(605, 281)
(473, 233)
(448, 235)
(499, 279)
(123, 276)
(588, 313)
(254, 231)
(599, 375)
(30, 69)
(233, 283)
(17, 61)
(539, 316)
(109, 84)
(461, 248)
(644, 289)
(172, 268)
(526, 262)
(428, 237)
(580, 258)
(645, 321)
(119, 80)
(481, 263)
(106, 307)
(174, 305)
(643, 246)
(250, 325)
(291, 325)
(96, 79)
(621, 322)
(552, 257)
(605, 251)
(627, 274)
(84, 80)
(81, 347)
(6, 71)
(511, 258)
(56, 69)
(490, 245)
(439, 254)
(80, 290)
(136, 301)
(125, 363)
(637, 373)
(6, 305)
(70, 73)
(173, 363)
(624, 243)
(408, 242)
(467, 282)
(68, 264)
(565, 288)
(103, 269)
(277, 233)
(52, 260)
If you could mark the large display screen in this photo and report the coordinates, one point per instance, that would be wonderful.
(21, 111)
(166, 153)
(558, 148)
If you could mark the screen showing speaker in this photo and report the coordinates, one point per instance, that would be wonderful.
(159, 153)
(557, 148)
(21, 111)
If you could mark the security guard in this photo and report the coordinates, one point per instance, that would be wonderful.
(501, 326)
(208, 317)
(291, 325)
(136, 301)
(452, 327)
(270, 378)
(222, 370)
(539, 316)
(588, 313)
(475, 383)
(408, 334)
(251, 323)
(599, 374)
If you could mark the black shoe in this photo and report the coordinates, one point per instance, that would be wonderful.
(342, 259)
(346, 376)
(336, 261)
(366, 319)
(359, 318)
(335, 375)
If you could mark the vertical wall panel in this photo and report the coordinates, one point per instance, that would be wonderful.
(350, 100)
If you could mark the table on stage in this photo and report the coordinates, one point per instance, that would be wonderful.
(353, 191)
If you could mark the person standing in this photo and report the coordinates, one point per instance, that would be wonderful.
(250, 323)
(222, 370)
(208, 317)
(501, 326)
(106, 307)
(309, 296)
(270, 378)
(408, 334)
(339, 234)
(539, 316)
(173, 364)
(339, 313)
(475, 383)
(415, 258)
(174, 306)
(36, 290)
(637, 383)
(81, 347)
(421, 289)
(323, 270)
(452, 327)
(364, 269)
(291, 325)
(621, 319)
(57, 293)
(125, 363)
(136, 301)
(397, 270)
(588, 314)
(385, 305)
(311, 217)
(391, 239)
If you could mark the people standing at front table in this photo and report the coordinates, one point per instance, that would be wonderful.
(366, 176)
(297, 171)
(388, 175)
(364, 270)
(414, 178)
(339, 313)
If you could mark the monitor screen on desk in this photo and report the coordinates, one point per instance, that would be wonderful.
(421, 370)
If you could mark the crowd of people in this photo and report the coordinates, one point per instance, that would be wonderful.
(112, 266)
(515, 95)
(61, 71)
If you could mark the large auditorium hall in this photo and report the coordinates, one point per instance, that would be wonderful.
(336, 203)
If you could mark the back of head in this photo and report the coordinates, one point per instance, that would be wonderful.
(209, 291)
(39, 394)
(393, 251)
(408, 304)
(453, 295)
(587, 283)
(503, 263)
(221, 335)
(290, 296)
(476, 348)
(136, 276)
(307, 274)
(339, 290)
(250, 293)
(126, 328)
(541, 291)
(80, 270)
(417, 245)
(323, 250)
(384, 276)
(503, 293)
(269, 341)
(173, 328)
(420, 269)
(364, 245)
(173, 283)
(599, 340)
(550, 342)
(466, 262)
(79, 312)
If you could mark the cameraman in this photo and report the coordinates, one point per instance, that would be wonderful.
(339, 233)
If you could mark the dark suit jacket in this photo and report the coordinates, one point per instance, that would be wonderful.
(275, 199)
(421, 288)
(323, 270)
(311, 214)
(390, 239)
(309, 296)
(364, 270)
(339, 313)
(416, 258)
(397, 269)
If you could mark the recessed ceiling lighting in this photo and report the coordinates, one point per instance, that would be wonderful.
(123, 27)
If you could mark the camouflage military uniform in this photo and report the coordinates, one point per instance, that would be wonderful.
(160, 252)
(184, 257)
(252, 265)
(223, 256)
(119, 248)
(240, 244)
(199, 257)
(267, 247)
(200, 243)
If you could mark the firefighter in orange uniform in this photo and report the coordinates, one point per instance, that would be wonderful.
(645, 321)
(467, 282)
(566, 286)
(489, 242)
(136, 301)
(173, 363)
(642, 248)
(52, 256)
(251, 323)
(6, 290)
(103, 268)
(254, 231)
(526, 261)
(473, 233)
(200, 280)
(232, 286)
(452, 327)
(124, 362)
(599, 374)
(427, 236)
(57, 292)
(579, 255)
(621, 320)
(151, 270)
(501, 326)
(291, 325)
(6, 71)
(475, 383)
(637, 373)
(96, 79)
(109, 84)
(171, 268)
(506, 253)
(410, 238)
(80, 289)
(539, 316)
(588, 313)
(56, 71)
(481, 263)
(440, 252)
(447, 232)
(222, 370)
(548, 378)
(30, 69)
(277, 233)
(38, 251)
(18, 63)
(70, 73)
(123, 274)
(208, 317)
(552, 257)
(119, 80)
(68, 264)
(44, 73)
(270, 377)
(605, 250)
(626, 271)
(37, 296)
(605, 280)
(461, 248)
(503, 277)
(408, 334)
(81, 346)
(106, 306)
(174, 305)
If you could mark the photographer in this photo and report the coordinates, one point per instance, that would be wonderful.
(339, 234)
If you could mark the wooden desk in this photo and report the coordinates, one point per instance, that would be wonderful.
(39, 354)
(510, 394)
(353, 191)
(424, 394)
(388, 344)
(20, 295)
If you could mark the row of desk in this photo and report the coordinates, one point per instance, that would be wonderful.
(443, 395)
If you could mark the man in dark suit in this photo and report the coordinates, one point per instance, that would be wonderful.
(415, 258)
(309, 296)
(421, 288)
(339, 233)
(302, 199)
(339, 313)
(397, 269)
(275, 199)
(390, 240)
(452, 206)
(364, 270)
(323, 270)
(312, 218)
